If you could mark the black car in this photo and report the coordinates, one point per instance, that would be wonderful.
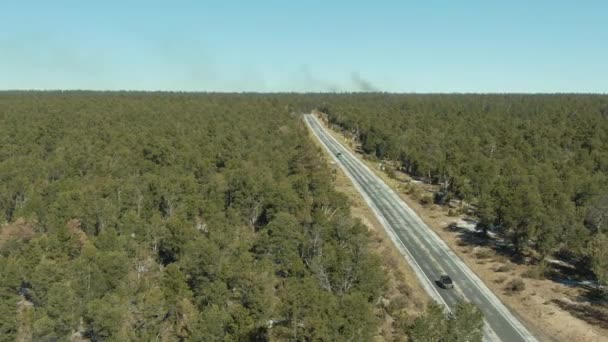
(445, 282)
(338, 154)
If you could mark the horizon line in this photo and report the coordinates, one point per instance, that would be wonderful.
(244, 92)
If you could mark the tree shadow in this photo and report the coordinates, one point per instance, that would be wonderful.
(591, 305)
(569, 276)
(592, 314)
(466, 237)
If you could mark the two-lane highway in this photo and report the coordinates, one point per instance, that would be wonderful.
(428, 255)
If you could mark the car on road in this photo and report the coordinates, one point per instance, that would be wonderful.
(338, 154)
(445, 282)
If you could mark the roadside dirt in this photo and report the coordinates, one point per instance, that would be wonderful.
(404, 297)
(552, 311)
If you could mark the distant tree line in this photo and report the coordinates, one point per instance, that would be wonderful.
(535, 167)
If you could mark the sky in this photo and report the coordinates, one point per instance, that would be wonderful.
(300, 46)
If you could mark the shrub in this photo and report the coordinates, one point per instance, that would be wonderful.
(390, 172)
(501, 259)
(466, 249)
(515, 286)
(440, 197)
(463, 243)
(426, 200)
(453, 226)
(534, 273)
(504, 268)
(397, 304)
(483, 253)
(414, 192)
(404, 289)
(500, 279)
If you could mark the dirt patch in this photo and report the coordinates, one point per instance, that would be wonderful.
(551, 310)
(20, 230)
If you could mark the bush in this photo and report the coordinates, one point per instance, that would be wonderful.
(397, 304)
(390, 172)
(534, 273)
(483, 253)
(426, 200)
(404, 289)
(453, 226)
(502, 259)
(414, 192)
(440, 197)
(504, 268)
(464, 243)
(515, 286)
(467, 249)
(500, 279)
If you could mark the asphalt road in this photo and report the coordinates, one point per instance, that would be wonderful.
(428, 255)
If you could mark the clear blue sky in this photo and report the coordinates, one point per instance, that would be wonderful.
(397, 46)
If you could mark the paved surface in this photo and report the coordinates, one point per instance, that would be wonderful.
(428, 255)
